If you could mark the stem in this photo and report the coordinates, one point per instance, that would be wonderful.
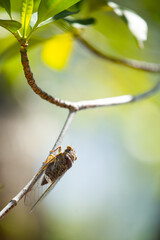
(17, 198)
(35, 87)
(76, 106)
(145, 66)
(139, 65)
(119, 100)
(33, 29)
(64, 129)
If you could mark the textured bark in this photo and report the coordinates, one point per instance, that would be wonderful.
(31, 81)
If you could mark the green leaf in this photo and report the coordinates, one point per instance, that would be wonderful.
(136, 25)
(49, 8)
(6, 4)
(64, 14)
(27, 9)
(10, 25)
(58, 16)
(36, 5)
(81, 23)
(89, 6)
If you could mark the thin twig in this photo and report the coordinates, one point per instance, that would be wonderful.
(119, 100)
(17, 198)
(139, 65)
(134, 64)
(64, 129)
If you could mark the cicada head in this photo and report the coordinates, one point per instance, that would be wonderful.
(70, 156)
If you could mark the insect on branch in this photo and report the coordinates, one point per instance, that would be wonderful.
(124, 99)
(29, 185)
(73, 107)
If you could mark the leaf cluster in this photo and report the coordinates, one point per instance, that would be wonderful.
(37, 13)
(72, 16)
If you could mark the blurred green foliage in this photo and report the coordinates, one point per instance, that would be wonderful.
(113, 190)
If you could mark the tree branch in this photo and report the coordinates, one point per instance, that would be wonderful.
(105, 102)
(77, 106)
(73, 107)
(17, 198)
(139, 65)
(35, 87)
(119, 100)
(64, 129)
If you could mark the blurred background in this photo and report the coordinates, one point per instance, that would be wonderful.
(113, 189)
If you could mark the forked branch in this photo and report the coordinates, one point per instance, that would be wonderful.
(106, 102)
(73, 107)
(77, 106)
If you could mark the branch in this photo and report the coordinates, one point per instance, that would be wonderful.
(35, 87)
(77, 106)
(139, 65)
(64, 129)
(17, 198)
(119, 100)
(105, 102)
(73, 108)
(30, 184)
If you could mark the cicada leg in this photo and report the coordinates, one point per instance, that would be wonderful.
(58, 148)
(51, 156)
(49, 159)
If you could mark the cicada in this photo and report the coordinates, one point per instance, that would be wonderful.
(49, 174)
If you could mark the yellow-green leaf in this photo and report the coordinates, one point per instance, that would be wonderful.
(27, 9)
(6, 5)
(49, 8)
(10, 25)
(56, 51)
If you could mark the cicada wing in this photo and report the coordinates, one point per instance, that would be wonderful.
(50, 186)
(36, 189)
